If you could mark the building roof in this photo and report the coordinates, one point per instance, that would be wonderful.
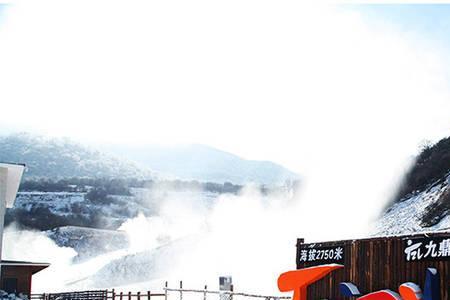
(22, 263)
(33, 266)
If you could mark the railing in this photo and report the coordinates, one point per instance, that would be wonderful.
(206, 294)
(113, 295)
(97, 295)
(169, 294)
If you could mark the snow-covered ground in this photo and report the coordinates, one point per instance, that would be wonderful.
(74, 208)
(5, 296)
(406, 216)
(57, 202)
(89, 242)
(138, 268)
(141, 200)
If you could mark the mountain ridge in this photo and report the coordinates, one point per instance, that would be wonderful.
(205, 163)
(62, 158)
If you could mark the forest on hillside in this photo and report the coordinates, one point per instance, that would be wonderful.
(431, 168)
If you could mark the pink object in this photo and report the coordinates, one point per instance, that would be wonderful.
(381, 295)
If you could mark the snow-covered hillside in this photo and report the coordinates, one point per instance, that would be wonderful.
(44, 210)
(61, 158)
(48, 210)
(422, 202)
(89, 242)
(414, 213)
(142, 266)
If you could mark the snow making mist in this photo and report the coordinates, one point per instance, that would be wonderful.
(26, 245)
(250, 236)
(196, 237)
(64, 270)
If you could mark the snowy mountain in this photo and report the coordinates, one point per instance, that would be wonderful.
(204, 163)
(420, 212)
(423, 200)
(61, 158)
(57, 158)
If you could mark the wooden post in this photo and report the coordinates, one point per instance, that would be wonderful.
(181, 290)
(231, 290)
(113, 294)
(138, 295)
(121, 296)
(129, 295)
(167, 286)
(204, 293)
(149, 294)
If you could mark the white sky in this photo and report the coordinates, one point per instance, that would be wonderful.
(316, 88)
(339, 99)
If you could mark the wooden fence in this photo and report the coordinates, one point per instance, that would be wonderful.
(113, 295)
(378, 263)
(81, 295)
(97, 295)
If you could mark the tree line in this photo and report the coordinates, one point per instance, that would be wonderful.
(99, 187)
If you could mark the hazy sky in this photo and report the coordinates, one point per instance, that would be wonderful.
(279, 81)
(343, 95)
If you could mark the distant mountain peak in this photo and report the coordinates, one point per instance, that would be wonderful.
(61, 158)
(58, 158)
(204, 163)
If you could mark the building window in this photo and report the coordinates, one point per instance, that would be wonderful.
(10, 285)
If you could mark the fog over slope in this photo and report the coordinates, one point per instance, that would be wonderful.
(96, 217)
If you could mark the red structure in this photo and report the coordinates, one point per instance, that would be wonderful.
(16, 275)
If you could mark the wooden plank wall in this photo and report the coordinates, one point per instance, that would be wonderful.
(375, 264)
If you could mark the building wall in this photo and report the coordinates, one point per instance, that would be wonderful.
(23, 275)
(374, 264)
